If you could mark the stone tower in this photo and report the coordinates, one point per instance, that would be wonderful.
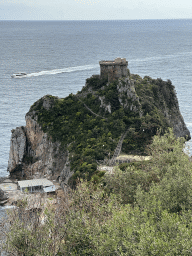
(113, 69)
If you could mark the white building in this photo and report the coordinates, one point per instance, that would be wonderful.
(36, 185)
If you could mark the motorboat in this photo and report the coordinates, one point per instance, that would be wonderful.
(18, 75)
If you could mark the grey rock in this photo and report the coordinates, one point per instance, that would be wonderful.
(127, 94)
(17, 148)
(107, 107)
(34, 152)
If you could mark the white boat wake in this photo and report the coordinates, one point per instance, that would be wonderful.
(59, 71)
(162, 57)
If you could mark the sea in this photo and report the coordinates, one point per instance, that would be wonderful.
(58, 57)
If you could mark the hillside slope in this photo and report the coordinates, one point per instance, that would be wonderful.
(67, 138)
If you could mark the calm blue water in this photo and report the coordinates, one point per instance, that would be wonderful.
(59, 55)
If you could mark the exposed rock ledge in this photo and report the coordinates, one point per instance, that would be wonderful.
(33, 155)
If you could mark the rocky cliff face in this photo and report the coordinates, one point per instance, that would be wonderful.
(33, 154)
(176, 121)
(17, 148)
(127, 94)
(156, 93)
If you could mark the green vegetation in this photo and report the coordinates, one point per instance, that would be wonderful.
(156, 98)
(90, 138)
(143, 209)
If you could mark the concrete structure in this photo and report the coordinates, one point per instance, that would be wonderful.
(36, 185)
(113, 69)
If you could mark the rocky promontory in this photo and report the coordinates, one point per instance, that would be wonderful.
(67, 138)
(33, 154)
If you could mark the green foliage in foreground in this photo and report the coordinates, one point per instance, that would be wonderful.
(147, 210)
(94, 138)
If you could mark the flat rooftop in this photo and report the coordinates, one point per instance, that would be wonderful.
(35, 183)
(117, 61)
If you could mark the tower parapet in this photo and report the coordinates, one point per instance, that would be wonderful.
(113, 69)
